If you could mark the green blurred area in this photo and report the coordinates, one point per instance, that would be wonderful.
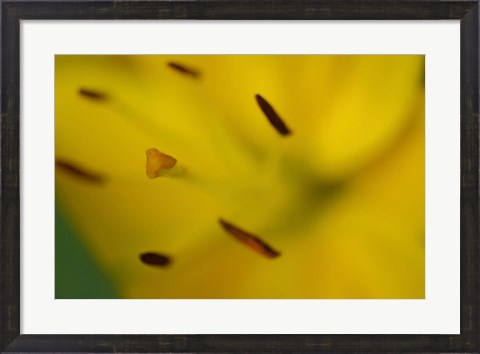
(77, 276)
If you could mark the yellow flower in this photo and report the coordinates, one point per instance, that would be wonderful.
(319, 158)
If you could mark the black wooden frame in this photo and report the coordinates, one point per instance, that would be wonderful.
(13, 11)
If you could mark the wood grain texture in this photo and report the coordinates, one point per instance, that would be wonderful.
(13, 11)
(9, 174)
(469, 195)
(237, 343)
(241, 9)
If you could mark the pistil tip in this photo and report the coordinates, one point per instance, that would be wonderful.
(158, 163)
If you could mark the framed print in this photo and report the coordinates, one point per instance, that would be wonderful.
(245, 176)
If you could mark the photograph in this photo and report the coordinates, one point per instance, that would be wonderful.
(239, 176)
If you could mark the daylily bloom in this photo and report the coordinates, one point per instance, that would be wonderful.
(244, 176)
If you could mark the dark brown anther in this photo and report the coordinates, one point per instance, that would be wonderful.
(93, 95)
(184, 70)
(249, 240)
(155, 259)
(272, 116)
(79, 172)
